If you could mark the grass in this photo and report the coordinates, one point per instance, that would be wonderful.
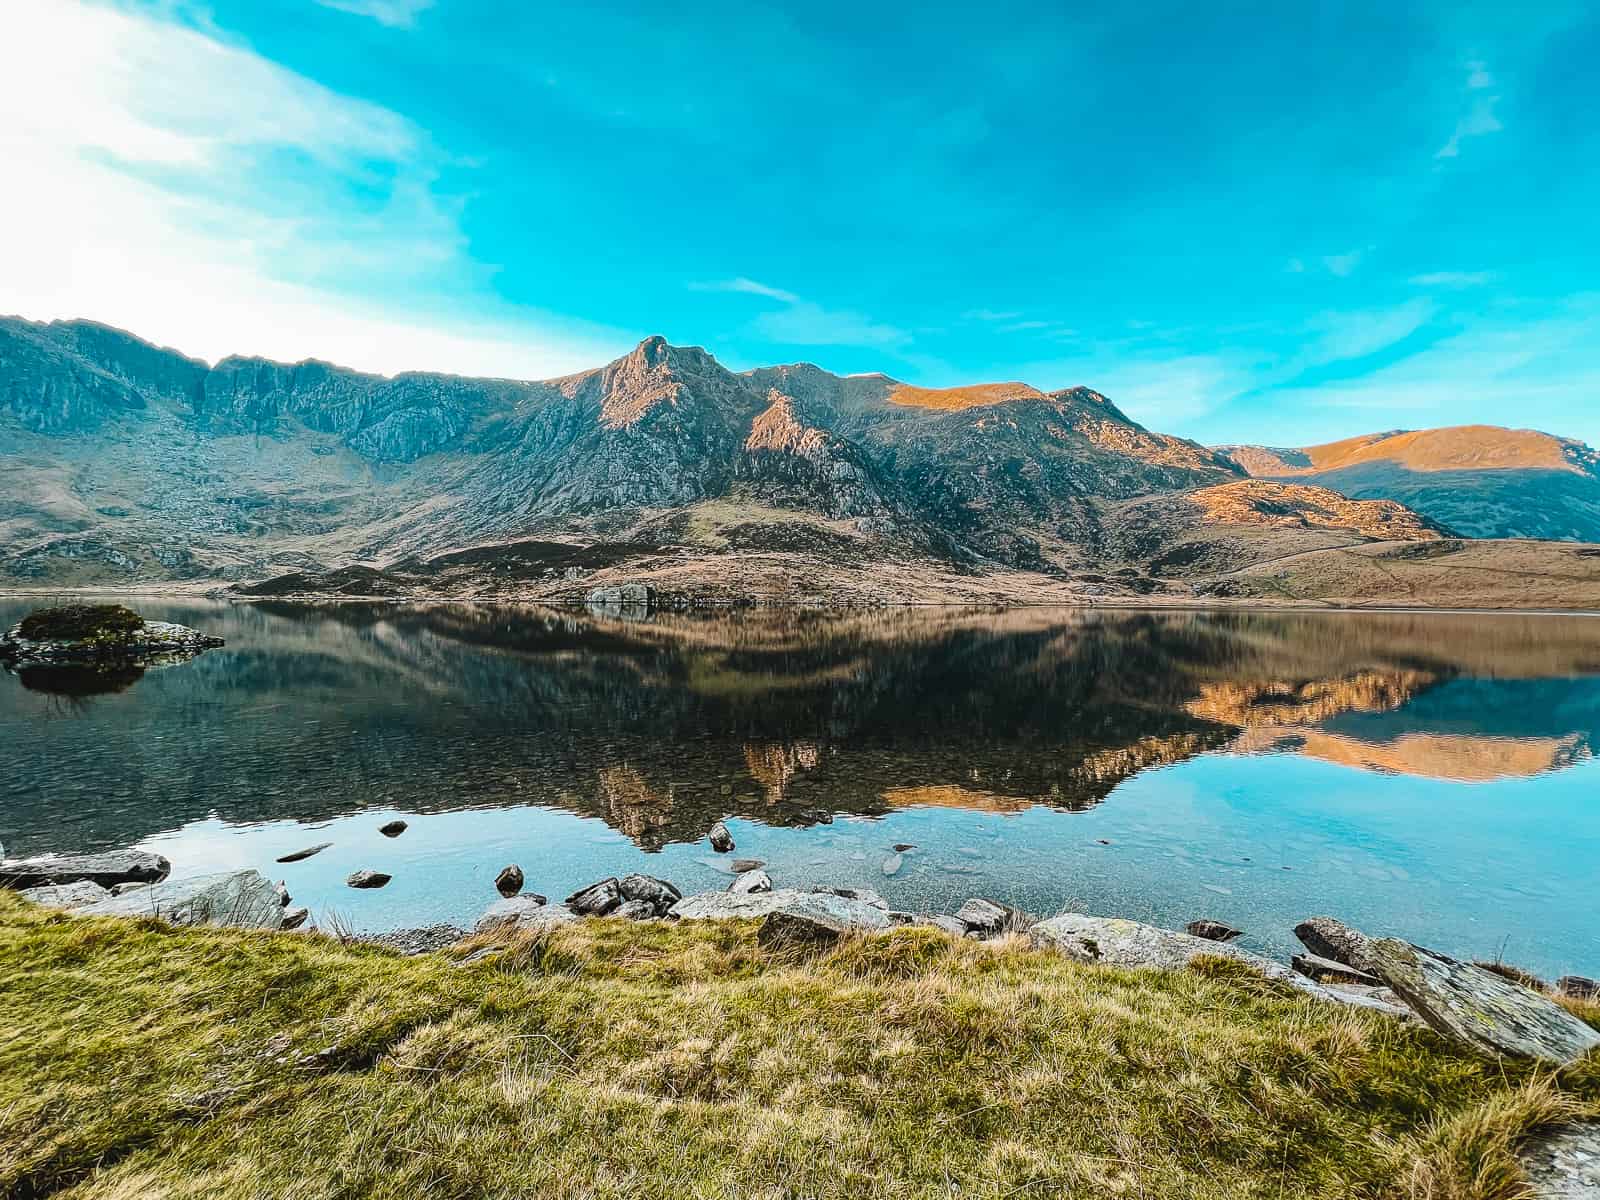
(82, 622)
(610, 1059)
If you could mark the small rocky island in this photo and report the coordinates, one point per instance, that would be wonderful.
(98, 636)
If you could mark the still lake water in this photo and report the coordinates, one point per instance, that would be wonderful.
(1430, 776)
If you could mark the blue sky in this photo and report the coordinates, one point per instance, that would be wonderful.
(1282, 223)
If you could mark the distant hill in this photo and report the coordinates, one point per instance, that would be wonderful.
(129, 463)
(1479, 480)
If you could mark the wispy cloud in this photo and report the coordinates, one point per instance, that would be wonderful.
(1347, 335)
(1339, 265)
(189, 189)
(398, 14)
(1480, 118)
(989, 314)
(749, 287)
(1452, 279)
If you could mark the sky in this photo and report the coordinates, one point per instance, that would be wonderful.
(1279, 223)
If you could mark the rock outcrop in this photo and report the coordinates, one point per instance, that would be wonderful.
(824, 906)
(524, 912)
(245, 899)
(107, 869)
(152, 643)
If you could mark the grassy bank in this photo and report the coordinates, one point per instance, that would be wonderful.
(686, 1061)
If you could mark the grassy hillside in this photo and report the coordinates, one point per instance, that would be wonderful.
(616, 1059)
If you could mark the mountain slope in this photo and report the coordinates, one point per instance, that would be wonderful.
(1479, 480)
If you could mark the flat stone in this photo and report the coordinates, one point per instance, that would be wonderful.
(245, 899)
(509, 882)
(983, 916)
(368, 879)
(1325, 970)
(1116, 942)
(297, 855)
(1328, 937)
(1565, 1163)
(865, 895)
(392, 828)
(659, 894)
(741, 865)
(722, 906)
(1480, 1009)
(751, 882)
(1580, 986)
(597, 899)
(524, 912)
(719, 837)
(1213, 931)
(108, 869)
(67, 895)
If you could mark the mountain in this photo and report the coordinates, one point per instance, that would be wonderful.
(1479, 480)
(130, 463)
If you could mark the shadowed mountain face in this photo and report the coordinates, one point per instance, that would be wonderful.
(1480, 481)
(659, 728)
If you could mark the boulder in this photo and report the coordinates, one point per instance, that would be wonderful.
(368, 879)
(509, 882)
(293, 918)
(281, 889)
(983, 917)
(949, 924)
(1580, 986)
(1213, 931)
(108, 869)
(721, 840)
(67, 895)
(636, 910)
(659, 894)
(392, 829)
(788, 929)
(297, 855)
(1325, 970)
(245, 899)
(722, 906)
(1329, 938)
(1116, 942)
(1480, 1009)
(1564, 1164)
(597, 899)
(750, 883)
(524, 912)
(865, 895)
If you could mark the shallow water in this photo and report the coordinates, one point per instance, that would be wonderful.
(1430, 776)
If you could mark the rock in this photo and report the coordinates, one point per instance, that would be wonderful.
(892, 864)
(636, 910)
(659, 894)
(900, 917)
(902, 847)
(949, 924)
(293, 918)
(509, 882)
(524, 912)
(1116, 942)
(152, 643)
(1213, 931)
(721, 840)
(108, 869)
(1564, 1164)
(983, 916)
(392, 829)
(865, 895)
(1333, 939)
(122, 889)
(721, 906)
(418, 941)
(751, 882)
(1580, 986)
(597, 899)
(627, 596)
(281, 889)
(306, 853)
(1325, 970)
(245, 899)
(741, 865)
(785, 929)
(368, 879)
(1478, 1008)
(67, 895)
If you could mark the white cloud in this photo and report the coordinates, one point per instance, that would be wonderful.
(399, 14)
(200, 195)
(807, 324)
(989, 314)
(1480, 118)
(1343, 335)
(1343, 264)
(748, 286)
(1452, 279)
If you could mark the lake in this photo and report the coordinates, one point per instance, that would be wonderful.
(1425, 775)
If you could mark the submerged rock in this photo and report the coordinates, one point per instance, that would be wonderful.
(1213, 931)
(108, 869)
(67, 895)
(298, 855)
(1480, 1009)
(524, 912)
(1329, 938)
(368, 879)
(719, 837)
(509, 882)
(245, 899)
(597, 899)
(740, 865)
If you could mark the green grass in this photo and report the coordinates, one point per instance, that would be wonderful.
(611, 1059)
(96, 622)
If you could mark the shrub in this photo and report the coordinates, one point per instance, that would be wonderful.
(80, 622)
